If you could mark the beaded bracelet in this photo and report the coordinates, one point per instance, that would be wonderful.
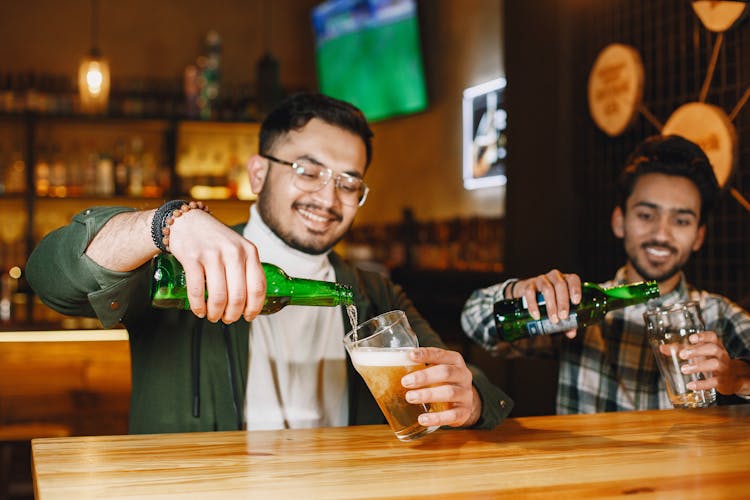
(165, 216)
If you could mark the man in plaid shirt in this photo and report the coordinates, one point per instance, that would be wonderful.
(665, 193)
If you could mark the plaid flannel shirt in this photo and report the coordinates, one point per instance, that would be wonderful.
(609, 366)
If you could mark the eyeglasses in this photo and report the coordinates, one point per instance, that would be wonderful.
(311, 177)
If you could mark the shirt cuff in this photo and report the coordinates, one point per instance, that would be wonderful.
(117, 295)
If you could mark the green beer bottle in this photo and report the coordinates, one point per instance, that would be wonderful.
(168, 288)
(514, 322)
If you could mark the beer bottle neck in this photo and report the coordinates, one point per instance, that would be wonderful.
(628, 295)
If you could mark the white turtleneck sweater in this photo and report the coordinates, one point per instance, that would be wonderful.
(297, 364)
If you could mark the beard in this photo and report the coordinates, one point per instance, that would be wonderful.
(311, 246)
(658, 276)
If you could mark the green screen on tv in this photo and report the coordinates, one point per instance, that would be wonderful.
(368, 53)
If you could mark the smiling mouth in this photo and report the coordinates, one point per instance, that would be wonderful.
(313, 213)
(658, 252)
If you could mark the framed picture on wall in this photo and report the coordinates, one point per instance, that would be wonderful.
(484, 139)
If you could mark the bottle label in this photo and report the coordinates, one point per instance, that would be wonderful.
(540, 301)
(545, 326)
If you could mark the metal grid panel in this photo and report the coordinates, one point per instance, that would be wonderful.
(676, 51)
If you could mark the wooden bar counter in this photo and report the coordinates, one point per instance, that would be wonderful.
(656, 454)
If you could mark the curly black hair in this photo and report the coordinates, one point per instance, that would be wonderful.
(670, 155)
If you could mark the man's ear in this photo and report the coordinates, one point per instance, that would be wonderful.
(618, 222)
(699, 238)
(257, 169)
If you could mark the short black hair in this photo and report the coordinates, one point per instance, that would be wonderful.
(297, 110)
(670, 155)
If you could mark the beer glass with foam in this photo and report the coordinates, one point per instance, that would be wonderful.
(379, 349)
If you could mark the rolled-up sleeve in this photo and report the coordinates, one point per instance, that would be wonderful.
(477, 319)
(68, 281)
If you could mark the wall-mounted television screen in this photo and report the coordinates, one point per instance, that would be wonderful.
(368, 53)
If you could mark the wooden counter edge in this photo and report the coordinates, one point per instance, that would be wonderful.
(64, 335)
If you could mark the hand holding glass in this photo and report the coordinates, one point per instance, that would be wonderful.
(379, 349)
(668, 331)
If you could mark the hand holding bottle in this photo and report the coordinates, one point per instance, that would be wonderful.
(557, 302)
(228, 264)
(169, 288)
(559, 291)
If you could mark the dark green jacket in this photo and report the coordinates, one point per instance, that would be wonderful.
(189, 374)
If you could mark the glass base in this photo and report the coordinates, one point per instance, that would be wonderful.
(415, 431)
(697, 399)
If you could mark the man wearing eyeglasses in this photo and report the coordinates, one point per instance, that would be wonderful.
(220, 366)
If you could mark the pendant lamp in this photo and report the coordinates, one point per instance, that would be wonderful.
(93, 73)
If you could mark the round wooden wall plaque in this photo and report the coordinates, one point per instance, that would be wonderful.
(719, 16)
(615, 88)
(709, 127)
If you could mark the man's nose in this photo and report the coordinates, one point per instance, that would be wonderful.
(327, 196)
(663, 227)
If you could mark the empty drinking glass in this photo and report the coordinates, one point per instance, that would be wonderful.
(668, 330)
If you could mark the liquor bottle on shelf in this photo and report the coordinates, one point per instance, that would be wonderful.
(211, 77)
(6, 293)
(514, 322)
(135, 167)
(4, 162)
(42, 173)
(90, 159)
(15, 173)
(168, 288)
(105, 176)
(151, 186)
(120, 158)
(58, 176)
(75, 160)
